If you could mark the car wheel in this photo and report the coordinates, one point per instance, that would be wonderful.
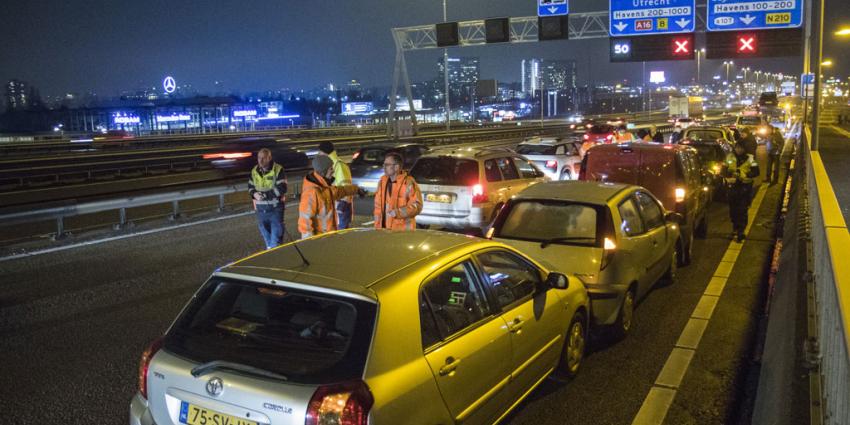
(670, 275)
(702, 229)
(566, 175)
(625, 319)
(575, 345)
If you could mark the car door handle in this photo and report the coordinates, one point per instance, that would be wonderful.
(516, 326)
(450, 366)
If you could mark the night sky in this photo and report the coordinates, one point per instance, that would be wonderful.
(107, 46)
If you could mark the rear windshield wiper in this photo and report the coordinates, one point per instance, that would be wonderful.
(224, 365)
(548, 242)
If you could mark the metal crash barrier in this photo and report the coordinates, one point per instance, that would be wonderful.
(830, 273)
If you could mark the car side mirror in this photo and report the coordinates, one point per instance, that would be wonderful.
(557, 280)
(674, 217)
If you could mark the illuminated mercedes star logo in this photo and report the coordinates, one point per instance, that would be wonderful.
(215, 386)
(169, 84)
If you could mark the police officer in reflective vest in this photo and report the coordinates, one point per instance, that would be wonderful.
(741, 168)
(267, 187)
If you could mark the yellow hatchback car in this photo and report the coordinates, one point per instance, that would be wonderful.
(365, 326)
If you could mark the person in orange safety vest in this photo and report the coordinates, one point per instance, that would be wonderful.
(398, 200)
(317, 210)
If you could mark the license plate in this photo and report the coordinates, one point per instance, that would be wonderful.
(191, 414)
(439, 197)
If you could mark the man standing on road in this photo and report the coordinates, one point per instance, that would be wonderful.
(748, 139)
(342, 177)
(317, 210)
(267, 188)
(775, 144)
(741, 168)
(397, 200)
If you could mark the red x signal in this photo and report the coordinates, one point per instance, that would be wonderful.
(746, 44)
(681, 46)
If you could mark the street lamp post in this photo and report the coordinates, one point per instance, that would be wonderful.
(728, 65)
(699, 52)
(446, 76)
(746, 70)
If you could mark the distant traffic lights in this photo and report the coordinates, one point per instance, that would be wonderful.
(553, 27)
(652, 48)
(497, 30)
(447, 34)
(753, 44)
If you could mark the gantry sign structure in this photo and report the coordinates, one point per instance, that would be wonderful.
(734, 31)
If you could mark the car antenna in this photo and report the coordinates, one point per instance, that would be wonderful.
(298, 250)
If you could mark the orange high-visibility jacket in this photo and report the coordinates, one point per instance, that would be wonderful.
(317, 211)
(405, 200)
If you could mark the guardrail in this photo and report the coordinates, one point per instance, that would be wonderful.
(61, 213)
(831, 273)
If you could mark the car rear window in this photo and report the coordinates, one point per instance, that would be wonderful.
(445, 170)
(543, 220)
(710, 152)
(308, 337)
(704, 135)
(749, 120)
(601, 129)
(373, 156)
(536, 149)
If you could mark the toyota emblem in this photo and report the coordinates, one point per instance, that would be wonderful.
(215, 386)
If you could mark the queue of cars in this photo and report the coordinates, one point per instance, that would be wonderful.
(444, 328)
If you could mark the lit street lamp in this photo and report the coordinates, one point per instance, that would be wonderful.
(728, 65)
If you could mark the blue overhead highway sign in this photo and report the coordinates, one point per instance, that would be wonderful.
(646, 17)
(736, 15)
(553, 7)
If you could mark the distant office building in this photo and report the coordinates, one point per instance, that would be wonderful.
(537, 74)
(17, 96)
(464, 73)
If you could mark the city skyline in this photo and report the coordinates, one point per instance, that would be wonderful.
(63, 47)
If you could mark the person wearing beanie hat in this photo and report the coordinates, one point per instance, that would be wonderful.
(342, 177)
(316, 211)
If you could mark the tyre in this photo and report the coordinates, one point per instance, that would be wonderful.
(575, 345)
(702, 228)
(625, 319)
(670, 275)
(685, 248)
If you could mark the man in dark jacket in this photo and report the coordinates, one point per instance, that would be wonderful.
(774, 148)
(748, 139)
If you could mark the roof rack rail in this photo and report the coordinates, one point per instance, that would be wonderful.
(488, 150)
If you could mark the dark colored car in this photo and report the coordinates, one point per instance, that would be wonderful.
(241, 154)
(368, 162)
(673, 173)
(712, 154)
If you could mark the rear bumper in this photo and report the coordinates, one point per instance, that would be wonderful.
(473, 218)
(605, 302)
(139, 412)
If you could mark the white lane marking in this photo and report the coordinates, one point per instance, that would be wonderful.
(657, 403)
(369, 223)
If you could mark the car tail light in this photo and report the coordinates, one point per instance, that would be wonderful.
(340, 404)
(552, 164)
(356, 154)
(608, 249)
(680, 194)
(144, 363)
(586, 137)
(609, 138)
(227, 155)
(478, 195)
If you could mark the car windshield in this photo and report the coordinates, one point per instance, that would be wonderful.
(546, 220)
(308, 337)
(536, 149)
(749, 120)
(701, 135)
(445, 170)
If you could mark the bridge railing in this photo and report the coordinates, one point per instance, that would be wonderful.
(831, 273)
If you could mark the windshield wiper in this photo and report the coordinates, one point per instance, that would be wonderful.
(548, 242)
(224, 365)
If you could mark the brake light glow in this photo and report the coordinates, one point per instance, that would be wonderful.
(586, 137)
(552, 164)
(356, 154)
(478, 195)
(228, 155)
(609, 137)
(342, 404)
(144, 363)
(680, 194)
